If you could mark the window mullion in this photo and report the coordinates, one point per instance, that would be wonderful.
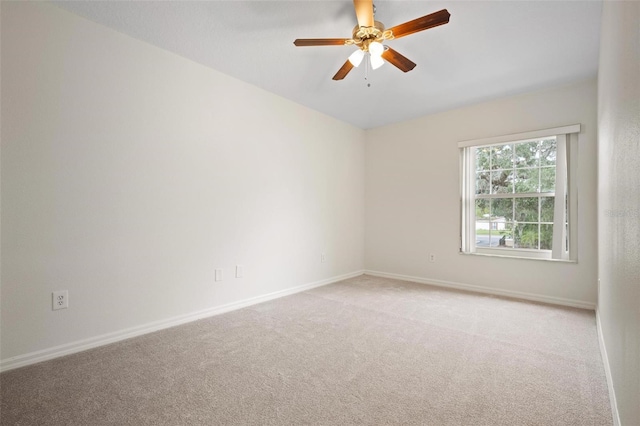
(517, 195)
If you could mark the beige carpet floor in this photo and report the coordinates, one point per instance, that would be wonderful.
(362, 351)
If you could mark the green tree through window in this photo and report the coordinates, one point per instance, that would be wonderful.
(515, 193)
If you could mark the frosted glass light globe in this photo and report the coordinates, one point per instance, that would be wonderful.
(376, 62)
(376, 49)
(356, 57)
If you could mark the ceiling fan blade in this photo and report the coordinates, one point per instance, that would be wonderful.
(343, 71)
(401, 62)
(320, 41)
(364, 12)
(435, 19)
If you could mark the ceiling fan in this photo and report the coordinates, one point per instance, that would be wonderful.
(369, 34)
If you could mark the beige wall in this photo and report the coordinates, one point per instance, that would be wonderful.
(412, 205)
(129, 174)
(619, 201)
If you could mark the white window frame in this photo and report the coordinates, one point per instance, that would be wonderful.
(566, 186)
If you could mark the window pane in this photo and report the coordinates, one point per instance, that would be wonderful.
(482, 209)
(527, 209)
(527, 154)
(502, 157)
(483, 224)
(502, 209)
(548, 152)
(526, 236)
(482, 183)
(506, 236)
(546, 237)
(501, 182)
(482, 158)
(527, 180)
(548, 179)
(546, 209)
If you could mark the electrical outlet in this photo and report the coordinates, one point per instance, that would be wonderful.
(432, 257)
(239, 271)
(323, 257)
(218, 274)
(60, 299)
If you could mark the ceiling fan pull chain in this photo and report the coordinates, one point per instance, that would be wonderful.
(366, 70)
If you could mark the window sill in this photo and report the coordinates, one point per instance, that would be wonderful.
(518, 257)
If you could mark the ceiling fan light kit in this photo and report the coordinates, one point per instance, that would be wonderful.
(369, 34)
(376, 62)
(356, 57)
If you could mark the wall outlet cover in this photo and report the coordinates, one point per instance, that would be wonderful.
(60, 299)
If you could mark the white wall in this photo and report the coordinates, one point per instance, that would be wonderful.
(619, 201)
(412, 200)
(129, 174)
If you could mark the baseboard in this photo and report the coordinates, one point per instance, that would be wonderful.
(489, 290)
(607, 373)
(105, 339)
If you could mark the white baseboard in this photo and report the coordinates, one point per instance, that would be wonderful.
(607, 372)
(105, 339)
(489, 290)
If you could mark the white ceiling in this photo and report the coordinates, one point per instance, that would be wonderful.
(489, 49)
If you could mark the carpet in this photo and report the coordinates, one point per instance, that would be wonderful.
(366, 350)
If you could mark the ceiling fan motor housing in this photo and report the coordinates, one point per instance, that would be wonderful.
(364, 36)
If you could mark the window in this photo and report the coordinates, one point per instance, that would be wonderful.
(519, 195)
